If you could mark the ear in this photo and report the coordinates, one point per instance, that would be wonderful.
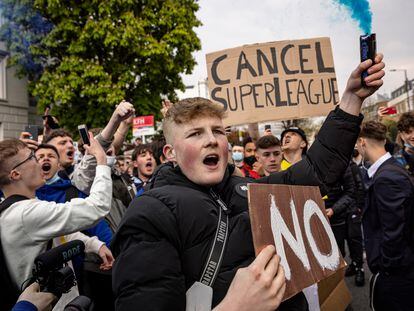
(303, 144)
(14, 175)
(169, 153)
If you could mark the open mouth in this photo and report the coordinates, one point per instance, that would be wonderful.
(148, 165)
(70, 153)
(211, 160)
(46, 167)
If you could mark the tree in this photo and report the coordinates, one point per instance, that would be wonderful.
(23, 30)
(100, 52)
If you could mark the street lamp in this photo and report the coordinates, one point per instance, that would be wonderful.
(406, 85)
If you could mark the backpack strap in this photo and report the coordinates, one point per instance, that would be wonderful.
(71, 193)
(10, 201)
(10, 291)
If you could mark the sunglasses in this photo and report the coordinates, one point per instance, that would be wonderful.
(31, 156)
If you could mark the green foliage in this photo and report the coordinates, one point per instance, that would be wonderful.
(100, 52)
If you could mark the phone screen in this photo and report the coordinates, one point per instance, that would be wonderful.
(33, 130)
(83, 132)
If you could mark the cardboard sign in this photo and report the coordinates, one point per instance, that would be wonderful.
(274, 81)
(142, 126)
(293, 219)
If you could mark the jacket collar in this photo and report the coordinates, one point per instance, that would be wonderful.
(167, 174)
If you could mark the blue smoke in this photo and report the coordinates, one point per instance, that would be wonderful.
(360, 11)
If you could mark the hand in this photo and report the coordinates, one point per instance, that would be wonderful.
(42, 300)
(355, 92)
(329, 212)
(96, 150)
(26, 138)
(382, 112)
(267, 132)
(123, 111)
(258, 287)
(127, 122)
(107, 258)
(258, 167)
(166, 105)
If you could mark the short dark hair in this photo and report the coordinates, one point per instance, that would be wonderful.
(374, 130)
(8, 149)
(48, 146)
(267, 141)
(56, 133)
(157, 146)
(405, 122)
(141, 149)
(247, 140)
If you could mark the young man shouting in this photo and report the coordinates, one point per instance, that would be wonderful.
(166, 235)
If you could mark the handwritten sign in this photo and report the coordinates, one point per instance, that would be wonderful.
(274, 81)
(293, 219)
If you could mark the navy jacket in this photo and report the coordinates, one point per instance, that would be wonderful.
(387, 220)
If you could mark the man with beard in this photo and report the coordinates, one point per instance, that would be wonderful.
(294, 146)
(165, 238)
(144, 166)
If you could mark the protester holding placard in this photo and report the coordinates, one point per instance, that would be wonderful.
(163, 243)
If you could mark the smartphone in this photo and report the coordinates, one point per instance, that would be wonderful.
(33, 130)
(83, 132)
(268, 127)
(368, 50)
(51, 122)
(391, 110)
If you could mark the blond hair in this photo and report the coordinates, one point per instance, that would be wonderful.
(187, 110)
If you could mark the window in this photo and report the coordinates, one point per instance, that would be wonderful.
(3, 64)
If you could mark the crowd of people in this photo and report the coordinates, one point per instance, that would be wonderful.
(149, 217)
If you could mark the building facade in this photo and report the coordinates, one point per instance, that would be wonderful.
(14, 99)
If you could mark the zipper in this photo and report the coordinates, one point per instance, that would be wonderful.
(219, 201)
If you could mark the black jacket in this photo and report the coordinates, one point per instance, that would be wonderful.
(163, 242)
(341, 198)
(387, 221)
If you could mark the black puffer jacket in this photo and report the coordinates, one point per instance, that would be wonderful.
(164, 239)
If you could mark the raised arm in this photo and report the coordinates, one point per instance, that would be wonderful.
(329, 155)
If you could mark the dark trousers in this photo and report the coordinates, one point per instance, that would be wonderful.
(391, 293)
(351, 232)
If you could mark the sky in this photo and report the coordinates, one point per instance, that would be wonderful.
(231, 23)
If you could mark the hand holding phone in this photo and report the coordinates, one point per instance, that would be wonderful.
(33, 130)
(83, 132)
(390, 110)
